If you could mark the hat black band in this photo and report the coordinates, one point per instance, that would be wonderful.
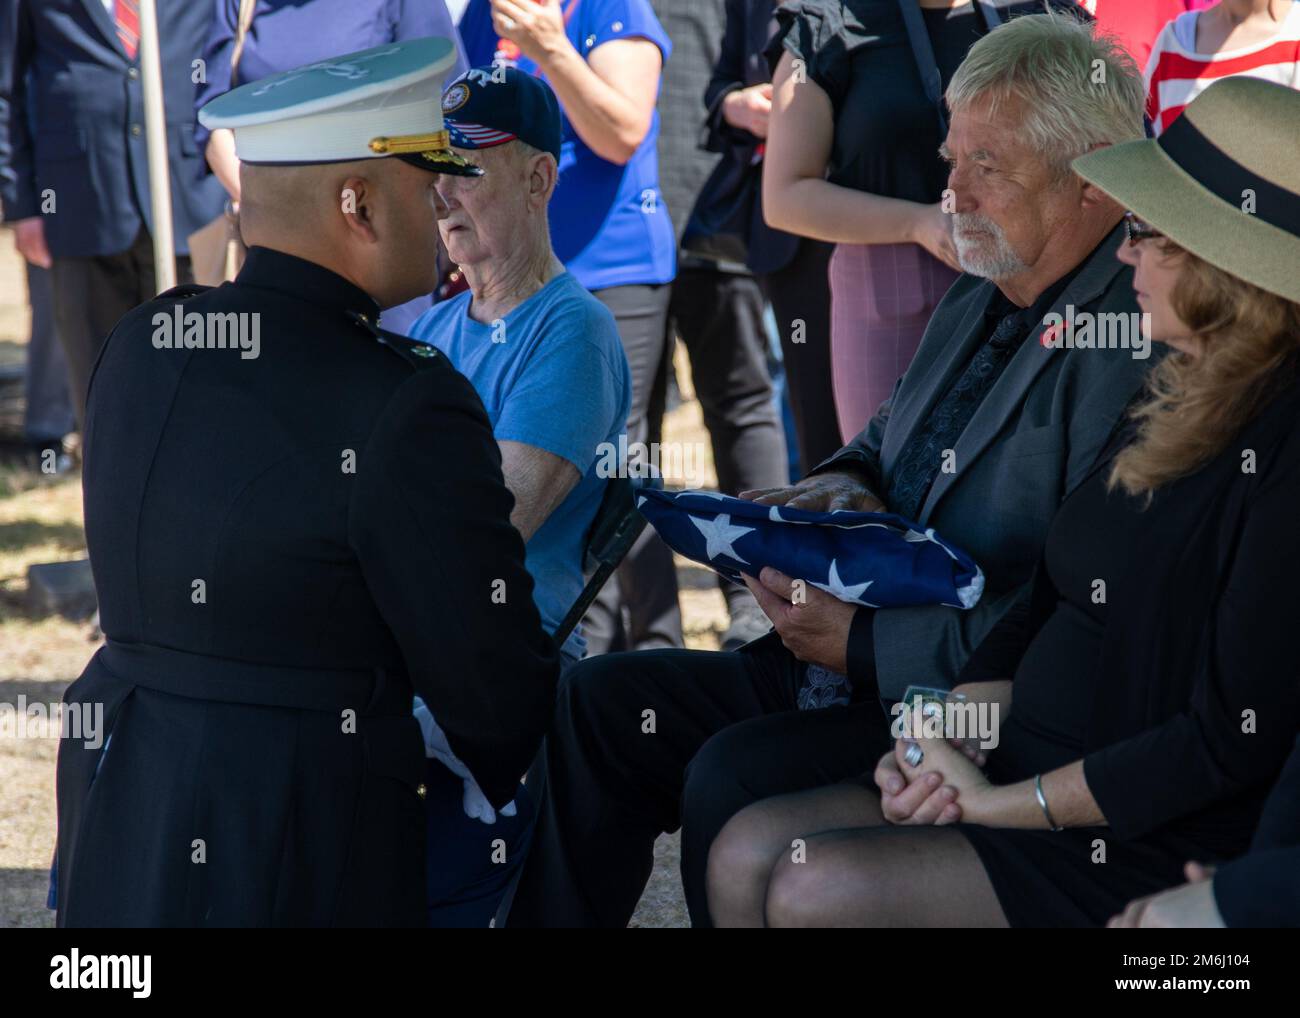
(1224, 177)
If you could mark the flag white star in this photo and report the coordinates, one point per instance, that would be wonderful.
(969, 595)
(774, 514)
(836, 587)
(720, 536)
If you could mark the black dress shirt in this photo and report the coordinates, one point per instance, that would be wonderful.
(923, 457)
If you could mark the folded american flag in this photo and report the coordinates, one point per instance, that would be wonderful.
(875, 559)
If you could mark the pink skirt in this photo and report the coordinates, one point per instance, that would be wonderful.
(882, 296)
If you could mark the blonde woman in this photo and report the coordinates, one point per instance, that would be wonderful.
(1153, 668)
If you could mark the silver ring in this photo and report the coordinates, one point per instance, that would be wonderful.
(509, 23)
(913, 755)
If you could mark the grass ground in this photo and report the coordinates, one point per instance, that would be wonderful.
(40, 521)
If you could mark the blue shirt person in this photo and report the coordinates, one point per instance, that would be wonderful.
(609, 225)
(284, 34)
(551, 374)
(546, 360)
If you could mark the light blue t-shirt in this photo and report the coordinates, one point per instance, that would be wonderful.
(551, 374)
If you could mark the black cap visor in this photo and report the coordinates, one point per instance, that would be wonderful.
(441, 161)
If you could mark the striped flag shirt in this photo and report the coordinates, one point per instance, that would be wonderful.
(1177, 74)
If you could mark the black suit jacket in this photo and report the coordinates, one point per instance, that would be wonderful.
(286, 548)
(72, 124)
(740, 64)
(1262, 888)
(1028, 445)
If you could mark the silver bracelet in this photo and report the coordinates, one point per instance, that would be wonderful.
(1042, 801)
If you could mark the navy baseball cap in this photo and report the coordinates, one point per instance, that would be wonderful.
(492, 105)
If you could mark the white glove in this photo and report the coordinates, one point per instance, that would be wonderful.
(437, 747)
(477, 806)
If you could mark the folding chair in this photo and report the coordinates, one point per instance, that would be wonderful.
(613, 532)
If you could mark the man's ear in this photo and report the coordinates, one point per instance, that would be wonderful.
(543, 173)
(1090, 195)
(356, 204)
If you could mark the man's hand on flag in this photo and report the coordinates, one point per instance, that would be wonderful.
(821, 493)
(813, 625)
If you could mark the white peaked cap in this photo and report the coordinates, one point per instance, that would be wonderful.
(383, 101)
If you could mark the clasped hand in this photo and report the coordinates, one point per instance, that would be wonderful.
(945, 787)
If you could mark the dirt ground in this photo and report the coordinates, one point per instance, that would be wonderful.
(40, 521)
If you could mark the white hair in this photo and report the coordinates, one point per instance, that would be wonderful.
(524, 150)
(1078, 89)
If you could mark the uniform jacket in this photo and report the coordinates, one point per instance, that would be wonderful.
(286, 548)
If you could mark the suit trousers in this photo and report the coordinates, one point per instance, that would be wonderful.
(646, 582)
(800, 296)
(91, 294)
(719, 317)
(644, 743)
(49, 413)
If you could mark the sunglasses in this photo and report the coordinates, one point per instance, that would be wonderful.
(1135, 229)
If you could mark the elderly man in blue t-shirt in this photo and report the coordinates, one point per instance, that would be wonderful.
(545, 358)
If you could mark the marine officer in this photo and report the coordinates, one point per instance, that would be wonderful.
(289, 545)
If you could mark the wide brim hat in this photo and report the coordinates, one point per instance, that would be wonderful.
(1222, 181)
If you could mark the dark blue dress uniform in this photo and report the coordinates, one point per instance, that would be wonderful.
(286, 549)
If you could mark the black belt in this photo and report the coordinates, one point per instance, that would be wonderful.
(369, 692)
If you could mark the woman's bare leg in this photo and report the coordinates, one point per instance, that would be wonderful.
(750, 845)
(894, 877)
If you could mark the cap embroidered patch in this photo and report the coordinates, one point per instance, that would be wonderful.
(455, 97)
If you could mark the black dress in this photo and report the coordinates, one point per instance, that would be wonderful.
(1042, 878)
(1202, 581)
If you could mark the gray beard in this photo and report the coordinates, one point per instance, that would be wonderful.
(990, 257)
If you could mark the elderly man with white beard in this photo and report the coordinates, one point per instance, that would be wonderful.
(992, 425)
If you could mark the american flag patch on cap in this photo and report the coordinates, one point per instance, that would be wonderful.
(476, 135)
